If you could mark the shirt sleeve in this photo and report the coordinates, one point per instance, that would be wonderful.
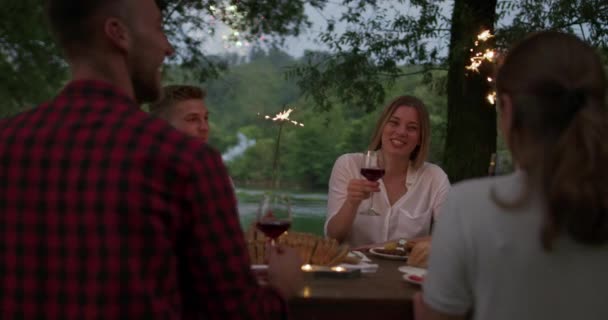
(338, 182)
(447, 284)
(215, 255)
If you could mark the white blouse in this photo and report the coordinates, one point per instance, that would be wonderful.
(409, 217)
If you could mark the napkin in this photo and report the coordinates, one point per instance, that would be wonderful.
(365, 265)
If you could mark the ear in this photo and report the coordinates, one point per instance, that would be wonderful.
(117, 33)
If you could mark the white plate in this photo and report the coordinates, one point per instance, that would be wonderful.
(412, 274)
(385, 255)
(412, 270)
(412, 278)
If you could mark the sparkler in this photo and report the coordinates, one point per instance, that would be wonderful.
(491, 97)
(480, 57)
(281, 119)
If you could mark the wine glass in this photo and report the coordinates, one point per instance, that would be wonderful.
(274, 216)
(372, 170)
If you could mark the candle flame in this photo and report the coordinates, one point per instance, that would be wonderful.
(306, 292)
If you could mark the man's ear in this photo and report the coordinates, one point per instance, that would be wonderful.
(117, 33)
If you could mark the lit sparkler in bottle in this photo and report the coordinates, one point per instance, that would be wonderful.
(280, 118)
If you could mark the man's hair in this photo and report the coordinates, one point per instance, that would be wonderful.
(71, 20)
(171, 95)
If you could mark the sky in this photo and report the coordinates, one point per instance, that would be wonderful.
(295, 46)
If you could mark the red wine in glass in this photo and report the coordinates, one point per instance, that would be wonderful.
(273, 229)
(372, 169)
(274, 216)
(372, 174)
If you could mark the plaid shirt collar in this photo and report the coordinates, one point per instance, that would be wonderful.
(97, 90)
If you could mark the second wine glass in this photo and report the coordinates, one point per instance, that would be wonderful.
(372, 169)
(274, 216)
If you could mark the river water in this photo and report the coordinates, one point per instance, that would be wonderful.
(308, 209)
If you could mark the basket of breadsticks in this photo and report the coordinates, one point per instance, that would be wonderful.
(312, 249)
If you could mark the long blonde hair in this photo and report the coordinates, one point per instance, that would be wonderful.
(419, 154)
(557, 86)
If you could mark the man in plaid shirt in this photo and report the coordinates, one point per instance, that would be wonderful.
(107, 213)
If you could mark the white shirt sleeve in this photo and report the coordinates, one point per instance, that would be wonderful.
(447, 286)
(338, 182)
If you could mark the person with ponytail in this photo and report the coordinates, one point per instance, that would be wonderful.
(532, 244)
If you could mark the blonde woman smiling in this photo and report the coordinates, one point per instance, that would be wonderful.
(408, 196)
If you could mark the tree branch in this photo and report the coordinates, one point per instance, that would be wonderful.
(405, 74)
(179, 3)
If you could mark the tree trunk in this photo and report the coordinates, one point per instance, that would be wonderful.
(471, 127)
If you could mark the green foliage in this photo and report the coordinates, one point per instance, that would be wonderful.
(388, 48)
(29, 61)
(33, 69)
(307, 154)
(365, 59)
(587, 18)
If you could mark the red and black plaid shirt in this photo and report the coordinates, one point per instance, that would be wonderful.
(108, 213)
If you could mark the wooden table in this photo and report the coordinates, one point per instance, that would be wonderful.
(373, 296)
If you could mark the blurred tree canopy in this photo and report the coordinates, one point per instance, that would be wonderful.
(371, 46)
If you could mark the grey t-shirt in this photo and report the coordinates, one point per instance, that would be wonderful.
(490, 260)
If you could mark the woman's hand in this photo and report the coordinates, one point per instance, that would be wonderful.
(357, 190)
(360, 189)
(419, 256)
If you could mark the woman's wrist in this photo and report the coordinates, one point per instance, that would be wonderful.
(353, 203)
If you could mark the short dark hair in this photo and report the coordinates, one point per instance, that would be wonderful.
(173, 94)
(70, 20)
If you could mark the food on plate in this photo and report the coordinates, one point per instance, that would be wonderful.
(391, 245)
(394, 252)
(351, 259)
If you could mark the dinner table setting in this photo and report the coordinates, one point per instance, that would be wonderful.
(376, 280)
(382, 286)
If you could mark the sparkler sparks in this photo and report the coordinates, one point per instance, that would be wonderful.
(485, 35)
(284, 116)
(480, 57)
(491, 97)
(280, 118)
